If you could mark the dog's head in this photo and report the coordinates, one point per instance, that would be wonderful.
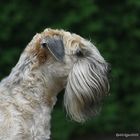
(85, 71)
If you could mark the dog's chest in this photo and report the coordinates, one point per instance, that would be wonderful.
(40, 123)
(24, 125)
(33, 122)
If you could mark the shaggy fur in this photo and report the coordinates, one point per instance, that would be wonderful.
(52, 61)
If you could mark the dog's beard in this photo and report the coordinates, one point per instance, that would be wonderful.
(87, 85)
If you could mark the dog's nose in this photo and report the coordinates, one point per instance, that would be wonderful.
(109, 69)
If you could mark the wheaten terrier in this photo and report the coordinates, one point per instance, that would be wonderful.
(52, 61)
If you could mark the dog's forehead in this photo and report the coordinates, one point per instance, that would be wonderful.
(71, 41)
(67, 36)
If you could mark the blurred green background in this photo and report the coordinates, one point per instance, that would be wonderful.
(113, 26)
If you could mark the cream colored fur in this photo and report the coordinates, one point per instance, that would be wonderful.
(28, 94)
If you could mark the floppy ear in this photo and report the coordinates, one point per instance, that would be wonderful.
(55, 46)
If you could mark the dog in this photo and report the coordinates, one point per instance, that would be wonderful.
(54, 60)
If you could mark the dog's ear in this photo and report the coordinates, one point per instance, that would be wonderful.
(55, 46)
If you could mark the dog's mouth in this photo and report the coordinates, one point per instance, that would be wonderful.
(86, 87)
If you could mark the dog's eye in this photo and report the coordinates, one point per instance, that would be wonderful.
(79, 53)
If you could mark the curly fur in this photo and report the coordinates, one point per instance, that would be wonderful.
(28, 94)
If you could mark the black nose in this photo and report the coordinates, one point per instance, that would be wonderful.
(109, 69)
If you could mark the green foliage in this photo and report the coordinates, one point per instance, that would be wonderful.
(113, 26)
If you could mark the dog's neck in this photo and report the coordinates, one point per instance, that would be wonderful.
(34, 78)
(35, 91)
